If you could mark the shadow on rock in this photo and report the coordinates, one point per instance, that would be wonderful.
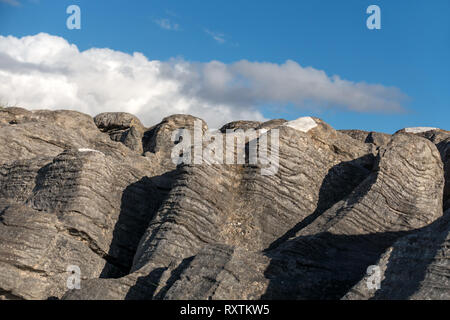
(319, 264)
(410, 259)
(323, 266)
(145, 286)
(140, 201)
(339, 182)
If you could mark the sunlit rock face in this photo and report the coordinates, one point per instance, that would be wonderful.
(104, 195)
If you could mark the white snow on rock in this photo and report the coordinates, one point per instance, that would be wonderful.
(88, 150)
(419, 129)
(303, 124)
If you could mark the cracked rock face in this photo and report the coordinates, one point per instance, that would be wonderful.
(103, 194)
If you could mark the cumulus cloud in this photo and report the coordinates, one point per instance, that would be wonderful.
(45, 71)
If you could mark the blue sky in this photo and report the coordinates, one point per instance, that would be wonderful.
(411, 51)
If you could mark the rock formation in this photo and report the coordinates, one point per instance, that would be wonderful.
(104, 194)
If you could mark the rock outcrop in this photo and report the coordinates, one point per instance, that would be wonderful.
(441, 138)
(376, 138)
(122, 127)
(415, 267)
(305, 221)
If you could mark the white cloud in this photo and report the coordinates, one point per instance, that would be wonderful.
(217, 36)
(167, 24)
(44, 71)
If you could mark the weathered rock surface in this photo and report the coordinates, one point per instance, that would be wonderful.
(158, 140)
(326, 257)
(441, 138)
(415, 267)
(104, 194)
(323, 259)
(122, 127)
(215, 203)
(69, 197)
(244, 125)
(376, 138)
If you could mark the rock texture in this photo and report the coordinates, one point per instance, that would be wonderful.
(122, 127)
(415, 267)
(441, 138)
(105, 195)
(376, 138)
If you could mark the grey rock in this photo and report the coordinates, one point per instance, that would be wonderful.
(215, 203)
(103, 194)
(220, 272)
(376, 138)
(72, 198)
(271, 124)
(441, 138)
(157, 140)
(48, 133)
(244, 125)
(100, 204)
(257, 125)
(444, 149)
(435, 136)
(323, 259)
(117, 121)
(415, 267)
(122, 127)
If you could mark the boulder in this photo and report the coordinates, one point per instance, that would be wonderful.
(122, 127)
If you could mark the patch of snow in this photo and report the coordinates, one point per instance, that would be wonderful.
(419, 129)
(303, 124)
(88, 150)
